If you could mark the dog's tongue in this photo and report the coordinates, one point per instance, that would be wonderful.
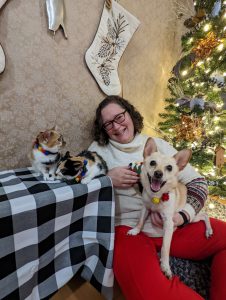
(155, 185)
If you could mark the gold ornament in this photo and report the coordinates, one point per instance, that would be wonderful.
(218, 198)
(219, 158)
(205, 46)
(193, 21)
(189, 129)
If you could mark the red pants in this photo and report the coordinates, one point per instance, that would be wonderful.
(137, 270)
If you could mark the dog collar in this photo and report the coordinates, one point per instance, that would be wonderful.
(156, 200)
(41, 149)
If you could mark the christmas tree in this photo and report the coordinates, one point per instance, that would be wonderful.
(195, 115)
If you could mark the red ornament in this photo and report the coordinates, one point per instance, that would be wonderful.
(165, 197)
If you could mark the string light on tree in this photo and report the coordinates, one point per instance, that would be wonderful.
(194, 116)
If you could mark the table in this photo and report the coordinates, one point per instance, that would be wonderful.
(50, 231)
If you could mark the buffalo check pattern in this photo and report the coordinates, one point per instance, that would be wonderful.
(50, 231)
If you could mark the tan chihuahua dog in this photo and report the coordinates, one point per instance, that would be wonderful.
(163, 193)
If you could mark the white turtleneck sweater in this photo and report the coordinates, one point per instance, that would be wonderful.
(128, 200)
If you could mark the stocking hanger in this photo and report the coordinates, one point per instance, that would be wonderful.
(108, 3)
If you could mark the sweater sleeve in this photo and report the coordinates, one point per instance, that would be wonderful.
(197, 191)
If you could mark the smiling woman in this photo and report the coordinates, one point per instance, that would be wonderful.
(118, 139)
(117, 123)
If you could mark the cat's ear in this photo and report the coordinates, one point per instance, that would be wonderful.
(46, 135)
(67, 155)
(55, 128)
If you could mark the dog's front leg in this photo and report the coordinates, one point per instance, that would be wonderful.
(140, 224)
(168, 226)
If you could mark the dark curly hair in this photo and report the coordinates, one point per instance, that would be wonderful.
(100, 135)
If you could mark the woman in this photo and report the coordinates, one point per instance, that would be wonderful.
(118, 140)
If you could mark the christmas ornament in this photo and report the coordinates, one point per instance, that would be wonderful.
(184, 67)
(212, 107)
(205, 46)
(116, 28)
(56, 12)
(175, 87)
(195, 20)
(217, 79)
(197, 102)
(216, 8)
(183, 101)
(2, 59)
(136, 167)
(219, 156)
(189, 129)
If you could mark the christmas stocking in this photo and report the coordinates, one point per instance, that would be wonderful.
(2, 55)
(116, 28)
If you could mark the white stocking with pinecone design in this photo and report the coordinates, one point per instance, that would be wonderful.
(116, 28)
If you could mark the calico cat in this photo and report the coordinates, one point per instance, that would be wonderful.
(45, 152)
(82, 167)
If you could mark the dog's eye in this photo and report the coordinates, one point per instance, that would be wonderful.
(169, 168)
(152, 163)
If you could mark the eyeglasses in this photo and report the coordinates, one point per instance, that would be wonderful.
(119, 118)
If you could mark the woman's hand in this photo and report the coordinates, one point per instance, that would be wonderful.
(156, 219)
(123, 177)
(178, 219)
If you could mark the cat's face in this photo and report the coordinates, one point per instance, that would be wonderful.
(51, 138)
(69, 166)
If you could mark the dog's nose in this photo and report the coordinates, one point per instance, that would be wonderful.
(158, 174)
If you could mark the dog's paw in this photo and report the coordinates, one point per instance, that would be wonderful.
(166, 270)
(209, 233)
(133, 231)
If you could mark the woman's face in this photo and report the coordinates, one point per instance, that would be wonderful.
(122, 133)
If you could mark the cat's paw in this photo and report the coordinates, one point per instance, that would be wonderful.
(46, 177)
(51, 178)
(85, 180)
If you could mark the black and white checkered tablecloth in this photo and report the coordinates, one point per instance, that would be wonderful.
(51, 231)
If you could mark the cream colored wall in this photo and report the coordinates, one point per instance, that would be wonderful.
(46, 80)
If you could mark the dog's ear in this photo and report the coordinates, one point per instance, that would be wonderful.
(182, 158)
(149, 147)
